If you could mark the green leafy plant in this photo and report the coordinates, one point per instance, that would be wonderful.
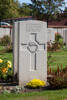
(59, 40)
(57, 37)
(5, 69)
(6, 40)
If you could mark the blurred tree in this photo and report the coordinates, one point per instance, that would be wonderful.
(65, 10)
(40, 9)
(25, 10)
(64, 13)
(9, 9)
(50, 8)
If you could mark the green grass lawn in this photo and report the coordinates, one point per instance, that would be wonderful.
(58, 58)
(44, 95)
(8, 56)
(1, 47)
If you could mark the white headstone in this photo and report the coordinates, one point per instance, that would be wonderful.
(65, 37)
(51, 35)
(30, 50)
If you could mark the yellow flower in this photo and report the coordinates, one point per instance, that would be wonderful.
(4, 70)
(9, 64)
(1, 60)
(36, 83)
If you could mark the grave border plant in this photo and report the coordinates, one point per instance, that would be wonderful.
(6, 70)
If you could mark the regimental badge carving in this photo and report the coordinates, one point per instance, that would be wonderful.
(32, 47)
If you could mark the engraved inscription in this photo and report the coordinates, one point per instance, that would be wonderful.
(33, 28)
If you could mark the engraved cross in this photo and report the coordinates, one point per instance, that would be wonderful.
(33, 47)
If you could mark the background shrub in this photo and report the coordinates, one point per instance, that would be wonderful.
(57, 79)
(57, 37)
(57, 44)
(6, 69)
(6, 40)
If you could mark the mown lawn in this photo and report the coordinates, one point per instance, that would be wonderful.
(6, 55)
(58, 58)
(44, 95)
(1, 47)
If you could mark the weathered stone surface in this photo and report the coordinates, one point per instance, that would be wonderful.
(30, 50)
(15, 46)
